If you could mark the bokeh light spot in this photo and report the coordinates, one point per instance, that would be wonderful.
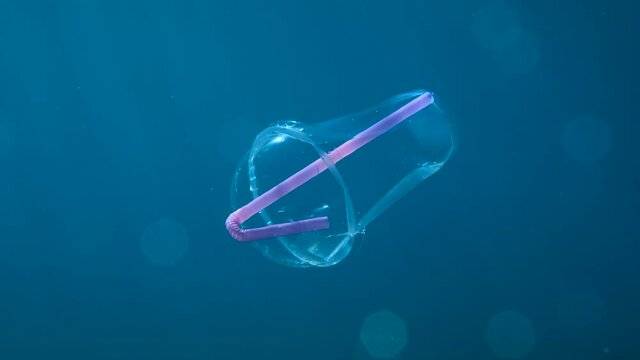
(495, 26)
(510, 335)
(164, 242)
(383, 334)
(521, 56)
(586, 139)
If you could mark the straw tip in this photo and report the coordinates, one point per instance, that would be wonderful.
(429, 95)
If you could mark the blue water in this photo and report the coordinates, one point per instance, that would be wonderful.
(121, 124)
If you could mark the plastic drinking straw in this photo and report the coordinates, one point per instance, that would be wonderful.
(238, 217)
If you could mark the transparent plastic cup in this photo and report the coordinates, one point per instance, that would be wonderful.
(303, 194)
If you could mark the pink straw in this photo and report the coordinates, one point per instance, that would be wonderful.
(238, 217)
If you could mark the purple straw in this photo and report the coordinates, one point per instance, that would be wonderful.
(238, 217)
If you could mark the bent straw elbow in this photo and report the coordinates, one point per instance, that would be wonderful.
(233, 227)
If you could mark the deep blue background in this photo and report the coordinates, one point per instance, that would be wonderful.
(119, 113)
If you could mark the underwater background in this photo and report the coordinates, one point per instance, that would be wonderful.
(122, 123)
